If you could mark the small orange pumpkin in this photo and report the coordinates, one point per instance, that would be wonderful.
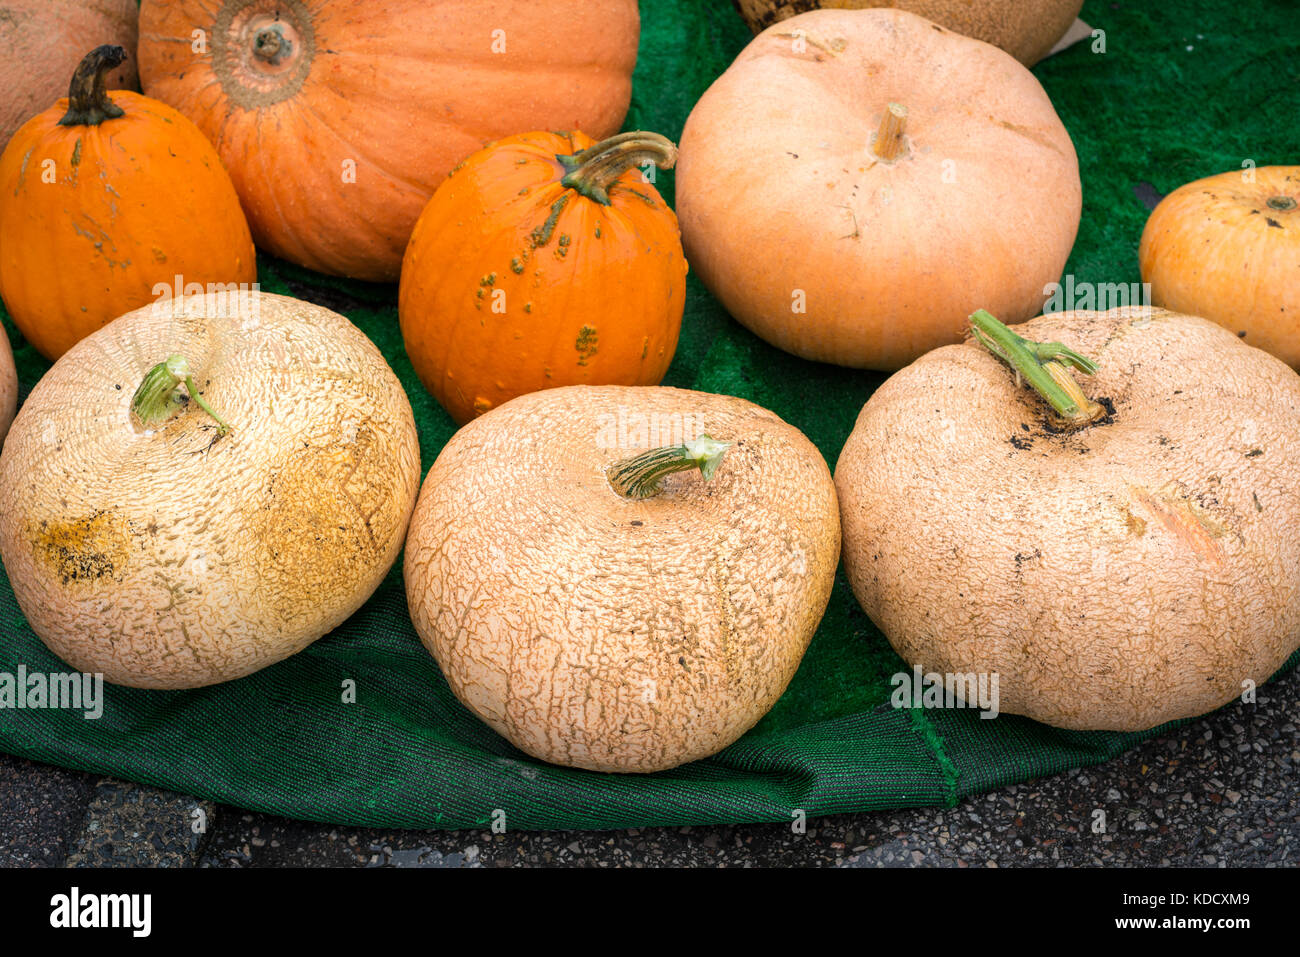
(103, 201)
(1227, 247)
(544, 260)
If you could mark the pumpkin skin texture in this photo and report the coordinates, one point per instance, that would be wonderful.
(601, 632)
(41, 42)
(170, 556)
(135, 201)
(514, 282)
(1115, 577)
(1027, 29)
(339, 118)
(786, 205)
(1229, 250)
(8, 386)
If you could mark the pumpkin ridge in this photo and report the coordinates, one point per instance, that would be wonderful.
(359, 155)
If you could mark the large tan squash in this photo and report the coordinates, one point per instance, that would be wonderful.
(1027, 29)
(167, 553)
(859, 181)
(41, 43)
(613, 633)
(1140, 569)
(339, 118)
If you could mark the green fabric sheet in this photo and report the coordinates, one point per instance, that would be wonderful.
(1182, 90)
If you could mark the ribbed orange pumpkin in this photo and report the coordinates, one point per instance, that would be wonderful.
(338, 118)
(103, 201)
(544, 260)
(1227, 247)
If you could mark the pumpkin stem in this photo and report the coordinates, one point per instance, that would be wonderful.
(888, 144)
(88, 101)
(270, 44)
(159, 393)
(640, 475)
(594, 170)
(1044, 365)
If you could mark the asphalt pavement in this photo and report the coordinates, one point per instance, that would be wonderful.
(1218, 792)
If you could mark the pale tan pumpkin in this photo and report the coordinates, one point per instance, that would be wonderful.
(1027, 29)
(338, 119)
(859, 181)
(1138, 569)
(610, 632)
(169, 546)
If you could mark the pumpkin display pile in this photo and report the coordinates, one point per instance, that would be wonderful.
(609, 571)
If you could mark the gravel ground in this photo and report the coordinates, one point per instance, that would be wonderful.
(1221, 791)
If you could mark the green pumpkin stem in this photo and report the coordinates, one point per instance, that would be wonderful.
(594, 170)
(88, 100)
(1044, 365)
(159, 393)
(641, 475)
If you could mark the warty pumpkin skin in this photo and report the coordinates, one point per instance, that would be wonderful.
(1116, 576)
(41, 42)
(1227, 247)
(612, 633)
(1027, 29)
(338, 118)
(166, 554)
(544, 260)
(859, 181)
(98, 215)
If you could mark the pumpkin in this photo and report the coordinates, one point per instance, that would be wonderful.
(1027, 29)
(859, 181)
(1125, 556)
(205, 487)
(8, 386)
(611, 587)
(41, 42)
(338, 119)
(108, 203)
(544, 260)
(1227, 247)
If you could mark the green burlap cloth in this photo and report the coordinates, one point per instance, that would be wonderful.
(1182, 90)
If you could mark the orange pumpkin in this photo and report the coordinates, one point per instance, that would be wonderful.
(40, 44)
(544, 260)
(106, 204)
(338, 118)
(1227, 247)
